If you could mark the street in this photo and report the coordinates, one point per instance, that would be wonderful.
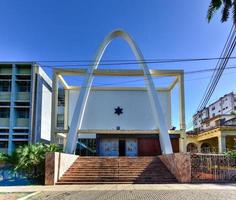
(140, 194)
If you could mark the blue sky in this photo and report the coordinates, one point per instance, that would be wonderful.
(74, 29)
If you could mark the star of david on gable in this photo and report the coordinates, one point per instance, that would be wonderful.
(118, 110)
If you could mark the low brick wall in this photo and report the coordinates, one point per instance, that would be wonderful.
(56, 165)
(179, 165)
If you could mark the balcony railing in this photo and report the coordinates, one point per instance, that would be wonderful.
(5, 71)
(23, 96)
(23, 71)
(5, 96)
(4, 122)
(22, 122)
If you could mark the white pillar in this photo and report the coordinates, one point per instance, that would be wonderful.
(221, 144)
(182, 125)
(54, 107)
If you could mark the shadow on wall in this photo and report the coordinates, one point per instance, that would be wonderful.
(9, 177)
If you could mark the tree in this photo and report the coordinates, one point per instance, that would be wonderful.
(227, 7)
(30, 159)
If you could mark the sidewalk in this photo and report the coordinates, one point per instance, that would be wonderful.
(115, 187)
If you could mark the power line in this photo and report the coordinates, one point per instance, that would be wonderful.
(129, 62)
(220, 66)
(186, 73)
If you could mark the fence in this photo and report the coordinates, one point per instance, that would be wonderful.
(212, 168)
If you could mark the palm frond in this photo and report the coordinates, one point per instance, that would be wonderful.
(213, 7)
(226, 10)
(234, 12)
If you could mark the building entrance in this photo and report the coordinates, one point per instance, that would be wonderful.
(121, 147)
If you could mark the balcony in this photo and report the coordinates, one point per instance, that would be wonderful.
(5, 70)
(23, 70)
(5, 96)
(22, 96)
(4, 122)
(22, 122)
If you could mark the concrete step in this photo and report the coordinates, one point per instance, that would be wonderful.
(117, 170)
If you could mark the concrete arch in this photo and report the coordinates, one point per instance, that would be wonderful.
(77, 118)
(206, 147)
(192, 147)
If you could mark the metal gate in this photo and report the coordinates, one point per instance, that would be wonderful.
(212, 168)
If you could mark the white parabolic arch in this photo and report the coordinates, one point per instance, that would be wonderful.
(78, 114)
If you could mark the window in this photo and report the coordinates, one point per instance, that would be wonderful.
(213, 108)
(3, 144)
(226, 107)
(23, 86)
(213, 115)
(5, 86)
(23, 113)
(4, 113)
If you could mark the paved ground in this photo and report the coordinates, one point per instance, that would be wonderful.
(139, 195)
(125, 192)
(12, 196)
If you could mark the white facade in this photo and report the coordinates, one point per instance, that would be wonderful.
(222, 107)
(225, 105)
(25, 103)
(137, 111)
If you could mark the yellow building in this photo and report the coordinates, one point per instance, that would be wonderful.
(216, 140)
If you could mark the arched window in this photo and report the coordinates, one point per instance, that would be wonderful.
(191, 147)
(206, 148)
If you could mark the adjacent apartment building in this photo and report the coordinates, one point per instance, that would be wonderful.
(25, 105)
(214, 127)
(216, 113)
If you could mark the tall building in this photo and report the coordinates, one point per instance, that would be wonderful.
(224, 108)
(25, 105)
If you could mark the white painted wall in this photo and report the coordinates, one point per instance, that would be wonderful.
(46, 113)
(137, 112)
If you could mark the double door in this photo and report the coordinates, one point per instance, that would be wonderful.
(118, 147)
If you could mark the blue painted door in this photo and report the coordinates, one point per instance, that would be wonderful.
(131, 147)
(109, 147)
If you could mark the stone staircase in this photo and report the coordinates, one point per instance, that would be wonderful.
(117, 170)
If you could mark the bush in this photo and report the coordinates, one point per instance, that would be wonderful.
(30, 159)
(231, 154)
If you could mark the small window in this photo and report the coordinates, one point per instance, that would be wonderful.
(213, 115)
(4, 113)
(5, 86)
(3, 144)
(213, 108)
(23, 86)
(22, 113)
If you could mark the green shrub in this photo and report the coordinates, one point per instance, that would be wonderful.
(30, 159)
(231, 154)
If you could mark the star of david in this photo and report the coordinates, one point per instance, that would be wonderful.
(118, 110)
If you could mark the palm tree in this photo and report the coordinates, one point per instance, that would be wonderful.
(228, 6)
(29, 159)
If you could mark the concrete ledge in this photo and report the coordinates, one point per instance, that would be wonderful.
(56, 164)
(179, 165)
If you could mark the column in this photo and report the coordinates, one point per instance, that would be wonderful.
(54, 106)
(221, 144)
(12, 112)
(182, 140)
